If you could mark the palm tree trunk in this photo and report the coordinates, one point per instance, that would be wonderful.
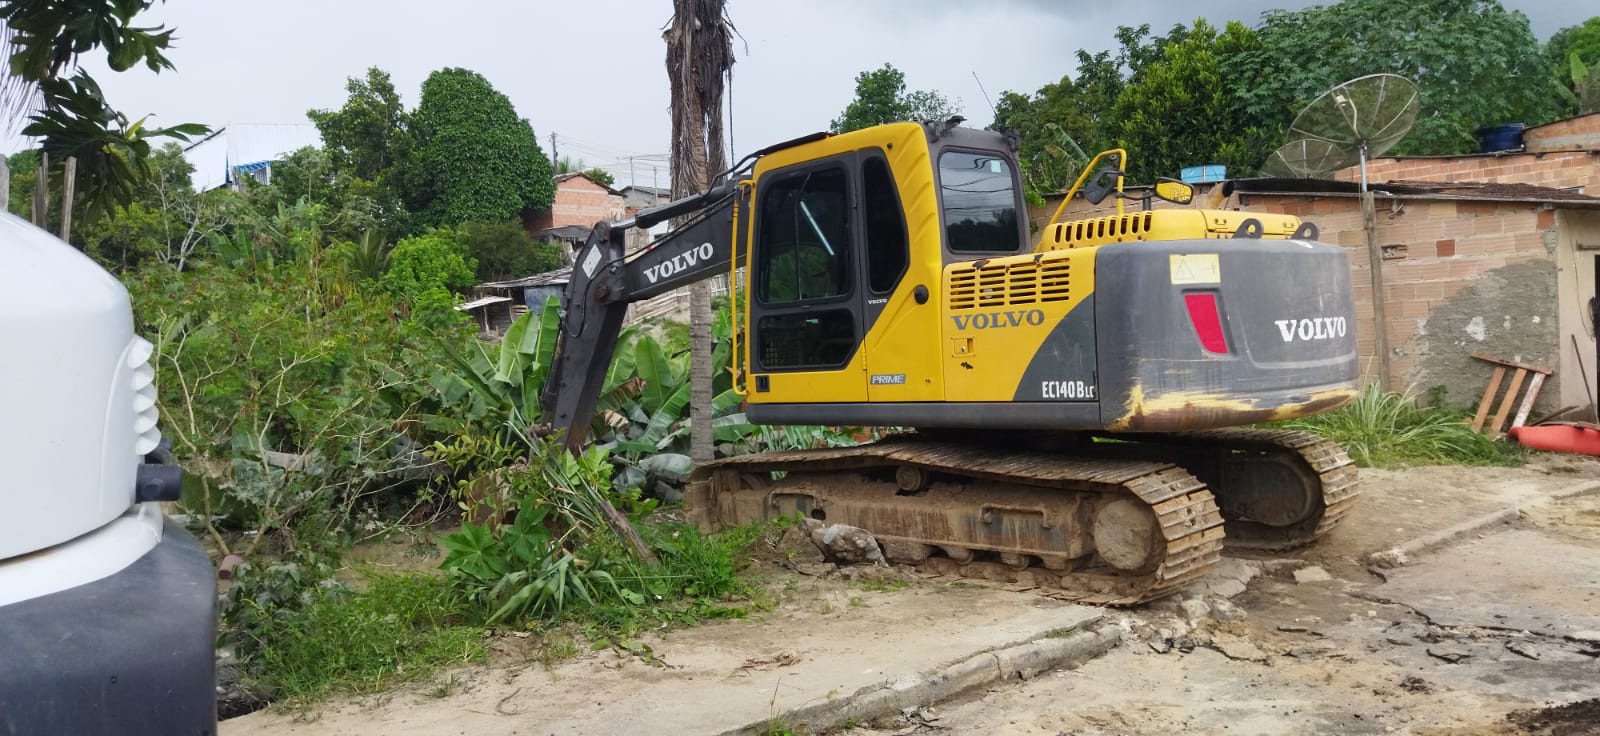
(699, 57)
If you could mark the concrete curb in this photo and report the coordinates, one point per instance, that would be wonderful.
(1091, 639)
(1586, 488)
(1400, 555)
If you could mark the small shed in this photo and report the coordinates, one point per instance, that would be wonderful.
(494, 314)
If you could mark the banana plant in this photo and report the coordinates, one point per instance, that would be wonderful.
(504, 382)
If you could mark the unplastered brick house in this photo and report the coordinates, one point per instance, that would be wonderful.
(580, 202)
(1492, 253)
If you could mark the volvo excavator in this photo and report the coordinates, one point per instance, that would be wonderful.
(1077, 407)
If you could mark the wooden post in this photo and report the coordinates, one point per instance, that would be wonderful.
(41, 192)
(69, 182)
(1380, 327)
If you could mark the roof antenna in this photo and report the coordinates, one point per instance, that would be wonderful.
(985, 94)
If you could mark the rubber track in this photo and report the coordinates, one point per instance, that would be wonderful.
(1190, 522)
(1326, 458)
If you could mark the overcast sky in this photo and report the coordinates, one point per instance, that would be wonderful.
(591, 71)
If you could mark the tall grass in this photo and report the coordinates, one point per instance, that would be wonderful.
(404, 626)
(1383, 428)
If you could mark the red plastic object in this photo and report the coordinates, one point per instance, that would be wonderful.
(1207, 321)
(1559, 438)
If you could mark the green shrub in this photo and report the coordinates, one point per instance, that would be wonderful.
(290, 391)
(1381, 429)
(504, 250)
(433, 260)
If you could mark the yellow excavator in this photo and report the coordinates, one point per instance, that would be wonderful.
(1077, 405)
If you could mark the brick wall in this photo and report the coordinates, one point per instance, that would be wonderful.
(1558, 169)
(1579, 132)
(579, 201)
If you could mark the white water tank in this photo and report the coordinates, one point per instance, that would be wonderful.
(77, 394)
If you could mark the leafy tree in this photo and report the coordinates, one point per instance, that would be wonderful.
(1575, 51)
(1582, 39)
(69, 113)
(1064, 123)
(474, 160)
(1475, 63)
(348, 206)
(1178, 108)
(167, 222)
(881, 97)
(368, 136)
(24, 168)
(504, 250)
(567, 165)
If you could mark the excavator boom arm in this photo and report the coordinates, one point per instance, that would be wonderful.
(606, 279)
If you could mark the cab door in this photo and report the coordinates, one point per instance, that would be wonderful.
(805, 297)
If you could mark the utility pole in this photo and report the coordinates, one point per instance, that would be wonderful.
(553, 157)
(630, 173)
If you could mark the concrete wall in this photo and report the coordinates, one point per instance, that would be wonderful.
(1577, 267)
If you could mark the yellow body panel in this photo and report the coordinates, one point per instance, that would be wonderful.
(847, 384)
(998, 315)
(1167, 224)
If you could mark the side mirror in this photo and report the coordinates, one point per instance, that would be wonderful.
(1103, 183)
(1174, 191)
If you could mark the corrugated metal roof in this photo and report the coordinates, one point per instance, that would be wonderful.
(558, 276)
(481, 302)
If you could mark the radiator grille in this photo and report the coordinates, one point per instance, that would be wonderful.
(1033, 281)
(1118, 227)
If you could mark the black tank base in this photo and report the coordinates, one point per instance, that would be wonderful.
(130, 654)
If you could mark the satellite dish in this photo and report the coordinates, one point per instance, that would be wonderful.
(1353, 122)
(1350, 123)
(1304, 158)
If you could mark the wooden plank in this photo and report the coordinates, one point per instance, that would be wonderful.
(1513, 364)
(1488, 397)
(1527, 402)
(1511, 397)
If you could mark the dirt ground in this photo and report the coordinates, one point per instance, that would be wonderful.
(1496, 633)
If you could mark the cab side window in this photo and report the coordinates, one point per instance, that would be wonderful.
(980, 203)
(805, 238)
(888, 252)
